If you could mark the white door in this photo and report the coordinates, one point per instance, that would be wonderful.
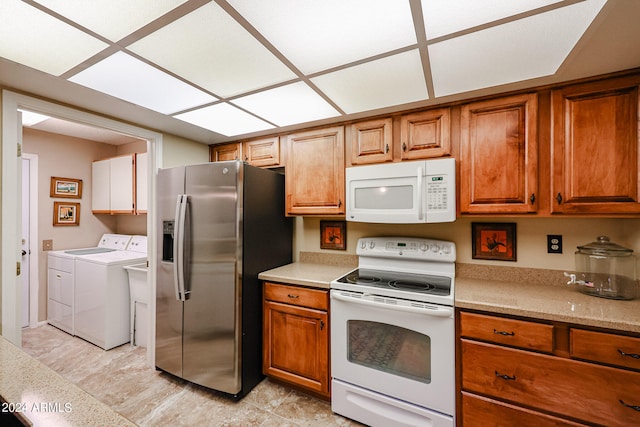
(26, 250)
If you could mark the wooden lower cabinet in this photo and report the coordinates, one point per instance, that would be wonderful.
(503, 383)
(296, 337)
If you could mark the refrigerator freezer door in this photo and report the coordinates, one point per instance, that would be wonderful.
(168, 308)
(212, 311)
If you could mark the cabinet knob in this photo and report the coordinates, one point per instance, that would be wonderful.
(339, 202)
(386, 148)
(292, 296)
(503, 333)
(404, 146)
(634, 407)
(632, 355)
(505, 376)
(559, 198)
(532, 199)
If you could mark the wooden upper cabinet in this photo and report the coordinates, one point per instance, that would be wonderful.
(595, 147)
(371, 141)
(499, 156)
(264, 152)
(425, 134)
(224, 152)
(314, 181)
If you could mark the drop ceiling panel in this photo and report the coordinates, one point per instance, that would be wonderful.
(287, 105)
(125, 77)
(45, 43)
(394, 80)
(112, 19)
(224, 119)
(528, 48)
(318, 35)
(210, 49)
(442, 17)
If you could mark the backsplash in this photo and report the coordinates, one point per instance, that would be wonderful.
(529, 276)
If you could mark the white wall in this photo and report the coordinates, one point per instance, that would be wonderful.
(531, 237)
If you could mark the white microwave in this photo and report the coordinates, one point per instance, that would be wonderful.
(402, 193)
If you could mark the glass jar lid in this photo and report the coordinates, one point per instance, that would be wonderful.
(603, 246)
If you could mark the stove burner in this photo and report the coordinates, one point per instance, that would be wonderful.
(410, 286)
(357, 278)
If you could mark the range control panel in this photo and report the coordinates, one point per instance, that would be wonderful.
(408, 248)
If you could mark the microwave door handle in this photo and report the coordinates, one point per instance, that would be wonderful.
(419, 190)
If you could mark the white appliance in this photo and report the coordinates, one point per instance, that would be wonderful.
(393, 334)
(406, 192)
(102, 300)
(61, 279)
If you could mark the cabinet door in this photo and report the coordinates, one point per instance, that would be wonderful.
(101, 186)
(296, 345)
(263, 152)
(595, 148)
(122, 184)
(371, 141)
(141, 182)
(499, 156)
(221, 153)
(425, 134)
(315, 172)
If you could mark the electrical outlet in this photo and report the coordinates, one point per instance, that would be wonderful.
(47, 245)
(554, 243)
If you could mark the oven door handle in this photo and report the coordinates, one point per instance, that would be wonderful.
(431, 311)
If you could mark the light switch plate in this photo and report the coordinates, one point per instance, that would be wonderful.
(47, 245)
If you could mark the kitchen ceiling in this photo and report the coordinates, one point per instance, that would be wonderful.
(215, 71)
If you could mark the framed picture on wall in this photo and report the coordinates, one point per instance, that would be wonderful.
(65, 213)
(66, 187)
(333, 235)
(495, 241)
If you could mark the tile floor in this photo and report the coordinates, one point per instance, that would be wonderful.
(120, 379)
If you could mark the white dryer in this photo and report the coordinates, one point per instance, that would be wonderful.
(61, 278)
(102, 303)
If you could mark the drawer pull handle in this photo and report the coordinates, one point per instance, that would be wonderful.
(505, 333)
(292, 296)
(633, 355)
(505, 376)
(634, 407)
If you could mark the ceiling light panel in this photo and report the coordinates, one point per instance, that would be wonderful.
(442, 17)
(212, 50)
(46, 44)
(288, 105)
(128, 78)
(224, 119)
(318, 35)
(112, 19)
(528, 48)
(394, 80)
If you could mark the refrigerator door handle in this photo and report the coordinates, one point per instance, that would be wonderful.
(178, 247)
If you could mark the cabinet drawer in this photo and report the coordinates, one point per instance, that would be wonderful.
(516, 333)
(478, 410)
(606, 348)
(304, 297)
(580, 390)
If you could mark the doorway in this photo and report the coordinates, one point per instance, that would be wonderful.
(11, 194)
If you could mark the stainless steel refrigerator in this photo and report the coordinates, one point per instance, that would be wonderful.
(220, 225)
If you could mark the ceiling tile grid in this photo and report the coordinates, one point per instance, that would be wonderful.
(236, 67)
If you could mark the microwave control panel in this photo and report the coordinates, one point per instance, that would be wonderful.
(437, 189)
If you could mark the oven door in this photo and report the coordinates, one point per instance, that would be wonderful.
(405, 352)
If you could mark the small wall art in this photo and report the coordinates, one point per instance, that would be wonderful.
(66, 213)
(494, 241)
(333, 235)
(66, 187)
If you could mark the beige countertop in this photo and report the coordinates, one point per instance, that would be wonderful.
(45, 398)
(531, 293)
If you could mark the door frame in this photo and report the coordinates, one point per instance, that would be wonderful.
(11, 103)
(34, 277)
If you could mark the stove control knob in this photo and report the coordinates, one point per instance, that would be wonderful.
(446, 249)
(424, 247)
(435, 248)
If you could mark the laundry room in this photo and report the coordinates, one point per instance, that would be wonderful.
(62, 160)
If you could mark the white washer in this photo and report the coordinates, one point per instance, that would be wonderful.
(102, 303)
(61, 279)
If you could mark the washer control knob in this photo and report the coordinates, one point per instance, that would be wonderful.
(372, 245)
(424, 247)
(363, 244)
(446, 249)
(435, 248)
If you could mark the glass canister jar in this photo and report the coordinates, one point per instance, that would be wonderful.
(606, 269)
